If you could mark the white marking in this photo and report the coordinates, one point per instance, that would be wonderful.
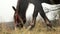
(52, 15)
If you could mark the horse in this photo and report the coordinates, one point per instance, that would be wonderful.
(22, 7)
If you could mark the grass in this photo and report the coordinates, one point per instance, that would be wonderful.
(40, 28)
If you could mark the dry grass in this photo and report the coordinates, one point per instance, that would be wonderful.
(40, 28)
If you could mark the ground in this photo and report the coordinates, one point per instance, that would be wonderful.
(40, 28)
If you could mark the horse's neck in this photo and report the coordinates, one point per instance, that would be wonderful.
(52, 1)
(55, 1)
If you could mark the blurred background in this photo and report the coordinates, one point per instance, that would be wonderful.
(7, 13)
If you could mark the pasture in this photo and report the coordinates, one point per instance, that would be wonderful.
(40, 28)
(6, 15)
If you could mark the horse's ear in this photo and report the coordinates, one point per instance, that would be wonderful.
(14, 8)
